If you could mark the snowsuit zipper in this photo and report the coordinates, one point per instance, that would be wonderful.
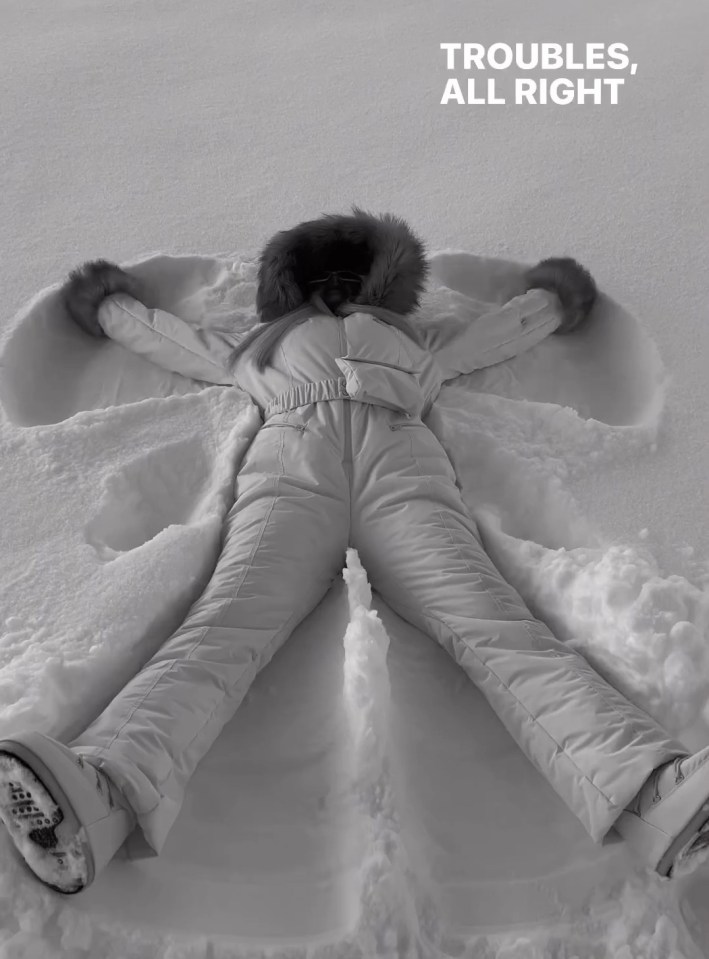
(347, 459)
(347, 416)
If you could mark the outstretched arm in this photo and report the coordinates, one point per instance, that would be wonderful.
(559, 296)
(104, 300)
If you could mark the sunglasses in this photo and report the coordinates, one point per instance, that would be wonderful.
(341, 276)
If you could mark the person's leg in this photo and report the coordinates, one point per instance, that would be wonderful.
(284, 544)
(422, 552)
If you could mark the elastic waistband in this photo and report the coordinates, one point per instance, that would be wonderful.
(304, 393)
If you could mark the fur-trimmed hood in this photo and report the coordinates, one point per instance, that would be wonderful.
(381, 248)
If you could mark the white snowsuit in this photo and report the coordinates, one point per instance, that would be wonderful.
(343, 458)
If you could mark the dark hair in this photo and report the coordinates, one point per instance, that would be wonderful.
(265, 337)
(336, 265)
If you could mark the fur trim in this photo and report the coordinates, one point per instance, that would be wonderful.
(573, 284)
(383, 249)
(89, 285)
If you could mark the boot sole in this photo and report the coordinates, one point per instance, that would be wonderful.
(33, 806)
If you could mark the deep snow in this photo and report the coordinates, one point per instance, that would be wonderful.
(365, 797)
(356, 805)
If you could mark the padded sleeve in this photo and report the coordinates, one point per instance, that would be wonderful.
(168, 341)
(465, 335)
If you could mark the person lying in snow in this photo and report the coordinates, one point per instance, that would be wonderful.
(344, 370)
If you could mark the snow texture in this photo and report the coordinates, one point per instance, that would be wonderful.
(364, 801)
(127, 503)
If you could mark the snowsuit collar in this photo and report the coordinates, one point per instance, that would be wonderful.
(381, 249)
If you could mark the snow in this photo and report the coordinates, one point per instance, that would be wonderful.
(365, 800)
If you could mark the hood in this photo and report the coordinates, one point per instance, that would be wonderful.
(382, 249)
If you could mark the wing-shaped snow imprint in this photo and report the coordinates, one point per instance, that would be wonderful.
(52, 370)
(610, 370)
(265, 859)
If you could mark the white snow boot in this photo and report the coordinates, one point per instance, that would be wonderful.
(667, 823)
(65, 816)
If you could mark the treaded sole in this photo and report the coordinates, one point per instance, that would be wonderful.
(45, 829)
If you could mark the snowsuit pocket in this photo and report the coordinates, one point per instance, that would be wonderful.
(424, 448)
(290, 426)
(382, 384)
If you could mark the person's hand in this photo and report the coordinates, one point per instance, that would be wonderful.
(573, 284)
(89, 285)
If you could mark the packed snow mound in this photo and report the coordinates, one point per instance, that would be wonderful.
(365, 801)
(646, 633)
